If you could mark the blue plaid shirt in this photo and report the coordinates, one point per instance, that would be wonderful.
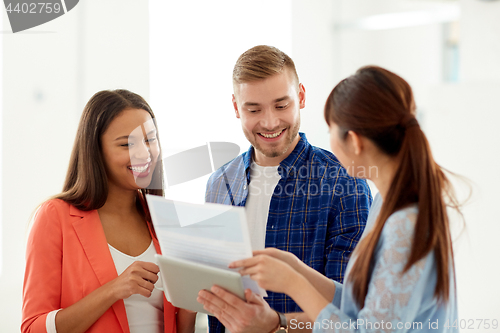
(317, 211)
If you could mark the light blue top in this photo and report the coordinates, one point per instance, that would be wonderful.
(395, 302)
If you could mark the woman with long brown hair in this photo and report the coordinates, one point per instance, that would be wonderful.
(90, 254)
(401, 274)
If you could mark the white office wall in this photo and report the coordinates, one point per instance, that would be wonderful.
(113, 50)
(38, 121)
(415, 52)
(480, 41)
(316, 57)
(49, 72)
(462, 125)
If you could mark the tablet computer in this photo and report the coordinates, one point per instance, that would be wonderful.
(183, 279)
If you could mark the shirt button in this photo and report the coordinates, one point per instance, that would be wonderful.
(245, 187)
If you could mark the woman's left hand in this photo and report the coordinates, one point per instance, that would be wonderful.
(270, 273)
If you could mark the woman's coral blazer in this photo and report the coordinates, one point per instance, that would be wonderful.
(67, 257)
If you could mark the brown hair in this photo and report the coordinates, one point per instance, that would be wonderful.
(261, 62)
(379, 105)
(86, 184)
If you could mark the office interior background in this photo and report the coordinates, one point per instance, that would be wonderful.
(179, 55)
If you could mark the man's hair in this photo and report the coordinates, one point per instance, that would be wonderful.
(261, 62)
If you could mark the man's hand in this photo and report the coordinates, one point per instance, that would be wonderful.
(238, 316)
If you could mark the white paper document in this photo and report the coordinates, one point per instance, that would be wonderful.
(210, 234)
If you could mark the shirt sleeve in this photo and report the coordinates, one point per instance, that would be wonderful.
(50, 322)
(393, 297)
(346, 224)
(337, 297)
(43, 274)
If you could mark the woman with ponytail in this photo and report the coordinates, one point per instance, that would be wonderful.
(401, 275)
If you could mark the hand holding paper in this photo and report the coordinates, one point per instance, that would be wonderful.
(206, 237)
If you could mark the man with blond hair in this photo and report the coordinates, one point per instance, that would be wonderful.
(297, 197)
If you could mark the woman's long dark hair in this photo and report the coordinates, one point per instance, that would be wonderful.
(86, 184)
(379, 105)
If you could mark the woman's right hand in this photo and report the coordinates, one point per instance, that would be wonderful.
(285, 256)
(269, 272)
(138, 278)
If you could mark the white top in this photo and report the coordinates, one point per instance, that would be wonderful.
(263, 181)
(144, 315)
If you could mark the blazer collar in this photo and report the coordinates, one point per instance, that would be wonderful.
(73, 211)
(91, 235)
